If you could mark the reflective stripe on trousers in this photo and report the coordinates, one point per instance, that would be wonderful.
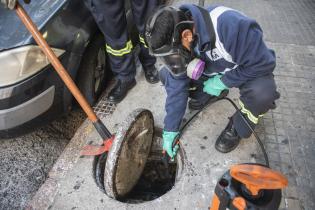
(142, 41)
(248, 113)
(120, 52)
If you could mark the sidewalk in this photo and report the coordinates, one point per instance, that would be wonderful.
(71, 186)
(287, 132)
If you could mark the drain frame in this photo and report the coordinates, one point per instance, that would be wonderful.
(99, 164)
(104, 108)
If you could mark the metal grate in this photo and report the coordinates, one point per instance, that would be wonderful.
(104, 108)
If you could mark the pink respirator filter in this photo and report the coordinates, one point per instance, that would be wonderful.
(195, 69)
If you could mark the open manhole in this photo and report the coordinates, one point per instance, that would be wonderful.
(133, 169)
(156, 179)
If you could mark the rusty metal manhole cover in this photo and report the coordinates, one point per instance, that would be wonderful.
(128, 154)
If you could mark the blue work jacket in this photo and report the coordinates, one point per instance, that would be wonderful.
(240, 54)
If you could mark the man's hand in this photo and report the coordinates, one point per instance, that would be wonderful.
(214, 86)
(9, 3)
(168, 139)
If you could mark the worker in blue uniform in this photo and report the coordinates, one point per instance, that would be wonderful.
(111, 18)
(231, 48)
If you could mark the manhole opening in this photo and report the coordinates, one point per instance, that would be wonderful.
(156, 179)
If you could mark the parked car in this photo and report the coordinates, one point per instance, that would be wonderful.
(31, 93)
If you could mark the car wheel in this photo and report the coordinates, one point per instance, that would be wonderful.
(92, 72)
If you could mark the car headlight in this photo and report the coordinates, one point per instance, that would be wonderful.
(21, 63)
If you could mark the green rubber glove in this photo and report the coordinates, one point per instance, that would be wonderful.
(214, 86)
(168, 139)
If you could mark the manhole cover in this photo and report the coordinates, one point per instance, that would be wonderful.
(128, 154)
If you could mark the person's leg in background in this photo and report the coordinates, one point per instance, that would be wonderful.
(198, 98)
(257, 97)
(111, 19)
(140, 10)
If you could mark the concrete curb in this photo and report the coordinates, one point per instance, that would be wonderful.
(44, 197)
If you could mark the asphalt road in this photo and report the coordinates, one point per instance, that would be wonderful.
(25, 161)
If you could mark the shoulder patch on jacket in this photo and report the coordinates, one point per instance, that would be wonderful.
(214, 14)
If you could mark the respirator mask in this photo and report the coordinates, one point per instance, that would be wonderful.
(176, 57)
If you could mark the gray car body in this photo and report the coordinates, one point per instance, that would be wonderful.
(67, 25)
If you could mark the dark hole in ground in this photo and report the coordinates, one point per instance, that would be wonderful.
(153, 183)
(156, 179)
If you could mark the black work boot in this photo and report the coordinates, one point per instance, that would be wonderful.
(151, 75)
(119, 91)
(204, 99)
(228, 139)
(197, 104)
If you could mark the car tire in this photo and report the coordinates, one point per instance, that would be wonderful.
(91, 77)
